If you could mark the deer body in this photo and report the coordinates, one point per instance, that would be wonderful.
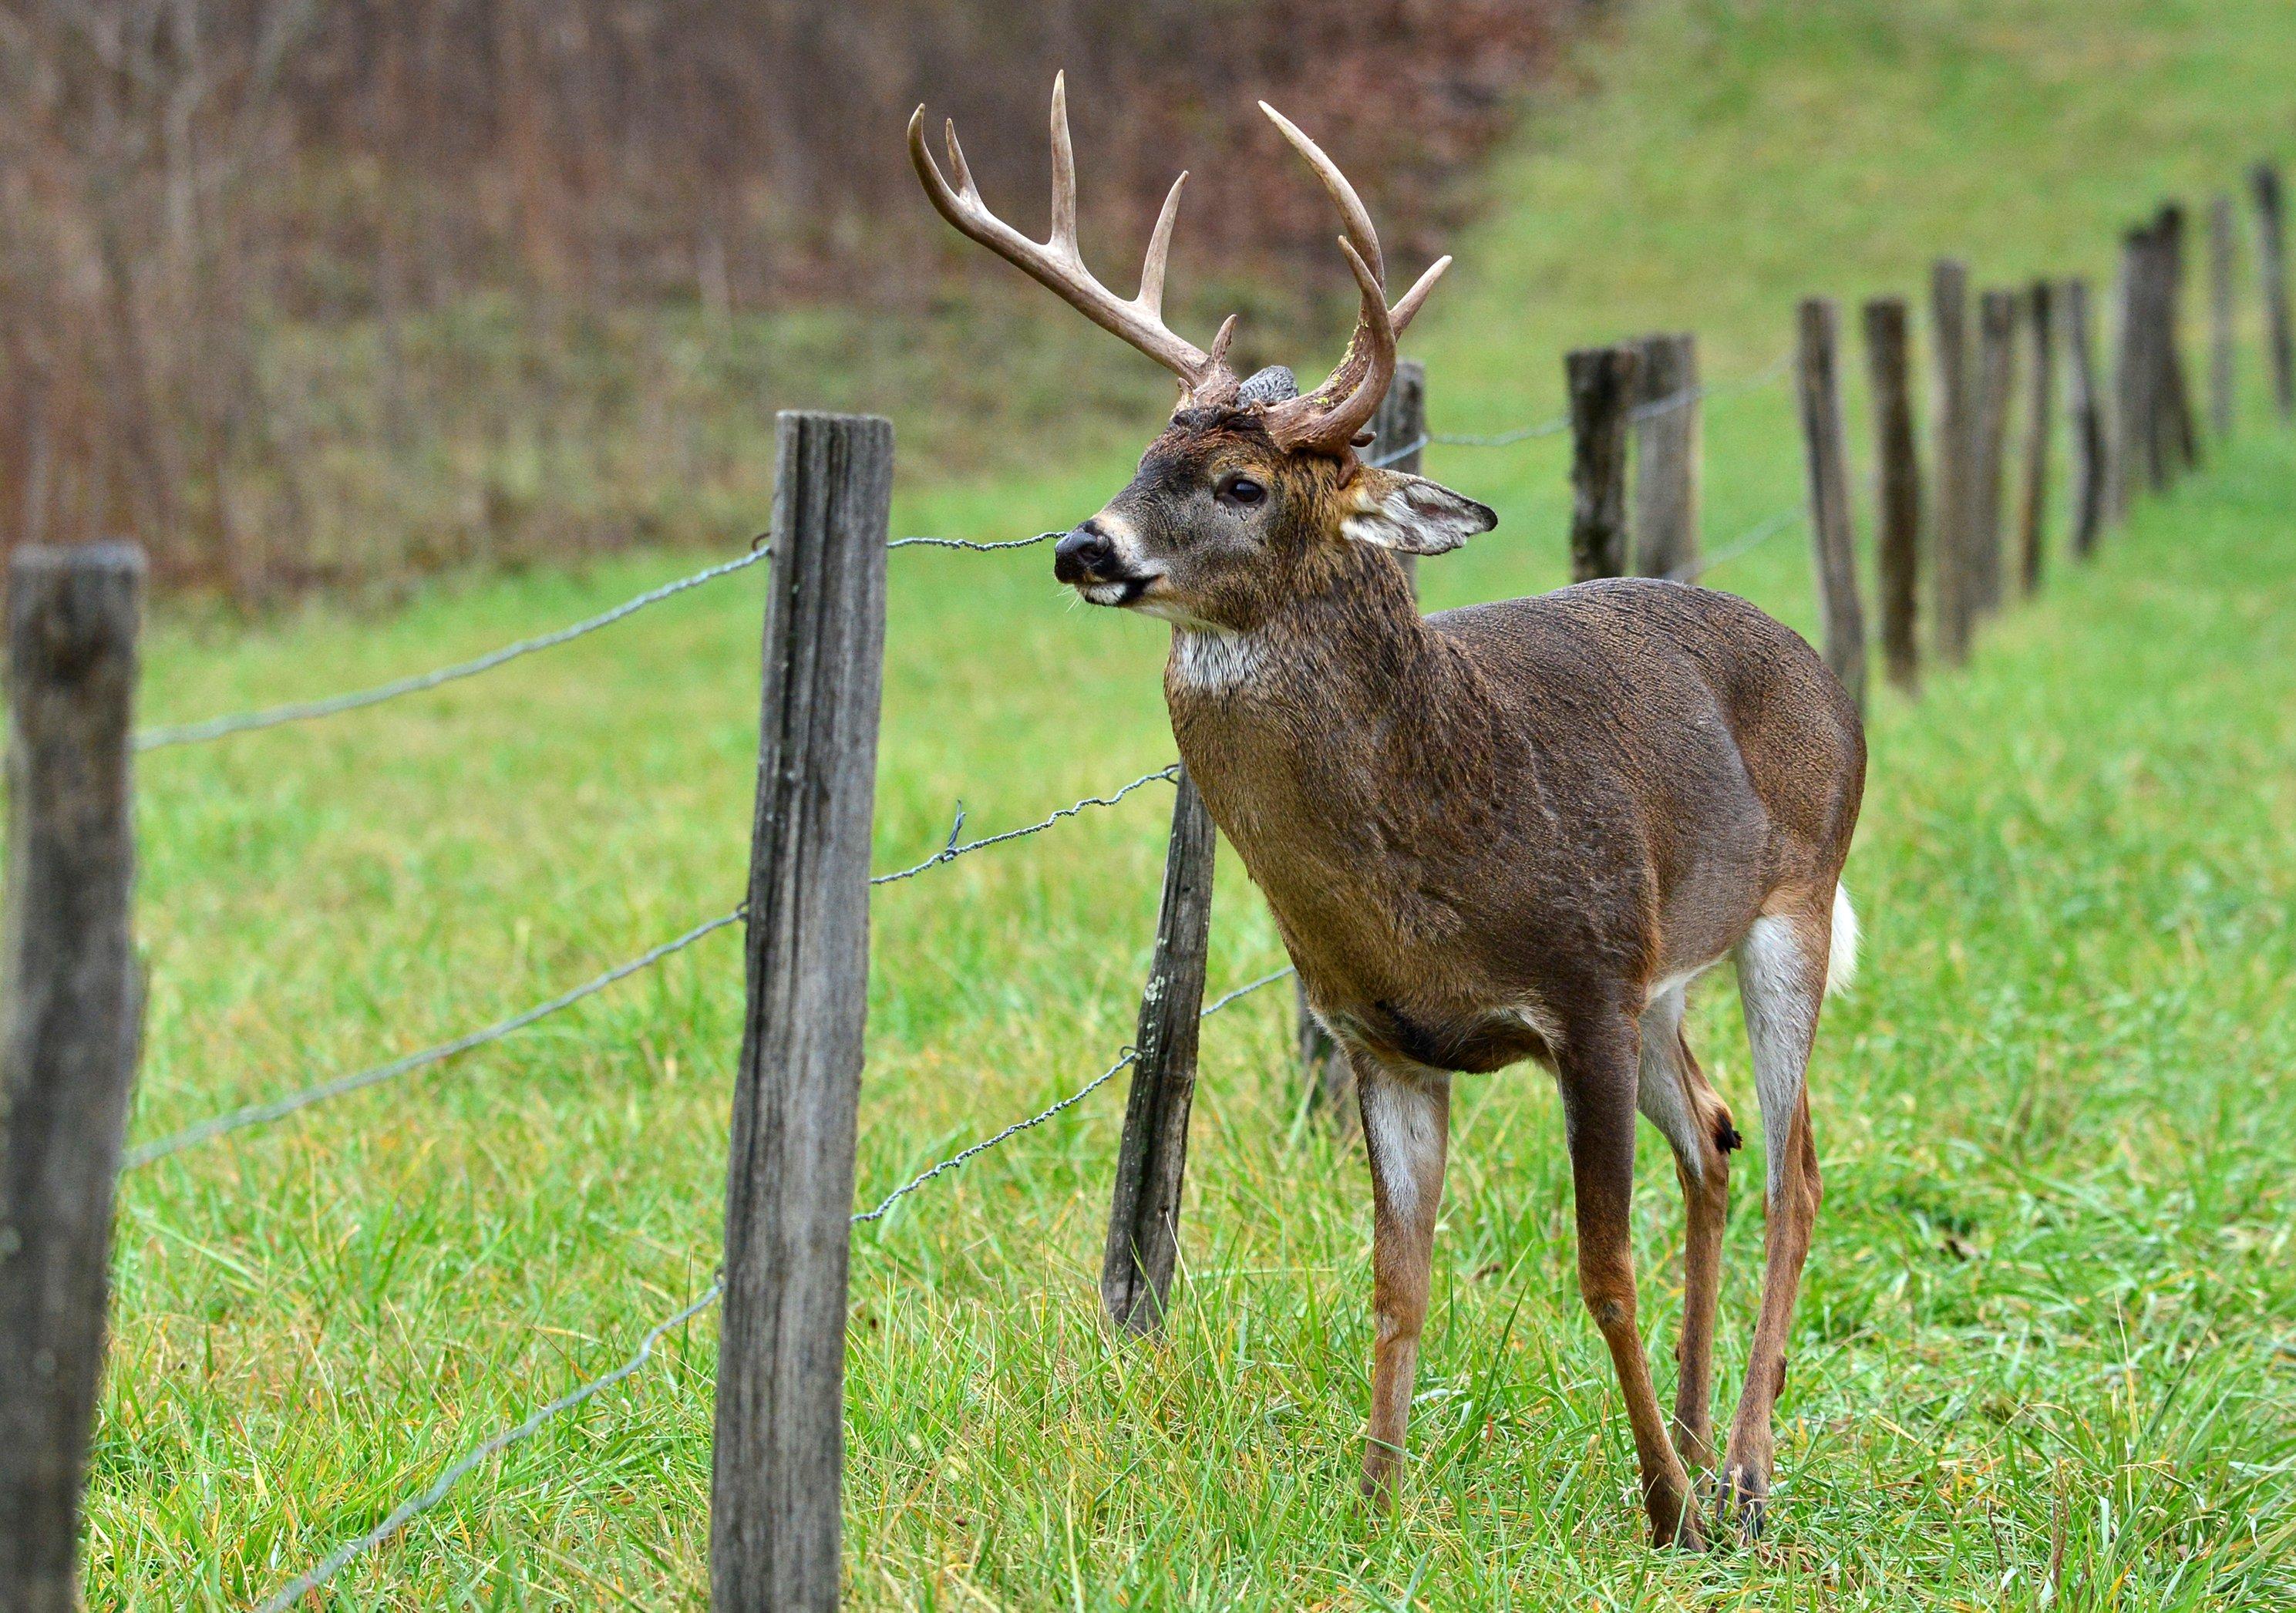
(1512, 831)
(1476, 827)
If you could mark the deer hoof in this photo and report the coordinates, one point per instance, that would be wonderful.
(1745, 1498)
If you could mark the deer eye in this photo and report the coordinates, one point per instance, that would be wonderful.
(1240, 490)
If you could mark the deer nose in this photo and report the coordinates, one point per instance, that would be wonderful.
(1079, 556)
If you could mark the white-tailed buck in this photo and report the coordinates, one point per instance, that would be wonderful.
(1516, 831)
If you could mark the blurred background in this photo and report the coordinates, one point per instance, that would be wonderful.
(306, 294)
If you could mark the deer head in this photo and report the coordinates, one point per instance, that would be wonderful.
(1253, 487)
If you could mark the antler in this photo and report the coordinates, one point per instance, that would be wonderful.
(1057, 265)
(1327, 420)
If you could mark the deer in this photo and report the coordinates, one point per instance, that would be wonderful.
(1512, 832)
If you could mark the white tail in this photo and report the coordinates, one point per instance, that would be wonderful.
(1841, 956)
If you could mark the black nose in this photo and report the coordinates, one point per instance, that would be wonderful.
(1078, 557)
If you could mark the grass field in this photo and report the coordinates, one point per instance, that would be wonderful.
(2048, 1346)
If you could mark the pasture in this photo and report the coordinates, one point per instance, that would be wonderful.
(2047, 1350)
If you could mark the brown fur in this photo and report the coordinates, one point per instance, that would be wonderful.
(1488, 835)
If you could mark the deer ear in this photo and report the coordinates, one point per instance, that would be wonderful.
(1411, 514)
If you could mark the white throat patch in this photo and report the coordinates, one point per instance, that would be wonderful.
(1213, 661)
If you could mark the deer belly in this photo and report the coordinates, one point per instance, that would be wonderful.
(1471, 1043)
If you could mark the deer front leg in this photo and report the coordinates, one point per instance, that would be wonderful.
(1407, 1120)
(1596, 1065)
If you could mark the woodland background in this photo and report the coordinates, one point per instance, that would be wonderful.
(306, 291)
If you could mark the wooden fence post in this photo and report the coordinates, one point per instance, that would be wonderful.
(778, 1458)
(1665, 420)
(2179, 432)
(2040, 432)
(2222, 339)
(1949, 534)
(1143, 1222)
(2272, 263)
(2091, 473)
(1996, 380)
(72, 1014)
(1827, 458)
(1897, 550)
(1398, 440)
(2136, 416)
(1602, 384)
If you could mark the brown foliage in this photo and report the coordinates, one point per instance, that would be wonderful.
(206, 204)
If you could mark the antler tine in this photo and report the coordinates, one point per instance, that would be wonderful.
(1326, 420)
(1057, 264)
(1409, 305)
(1353, 213)
(1064, 193)
(1160, 248)
(956, 162)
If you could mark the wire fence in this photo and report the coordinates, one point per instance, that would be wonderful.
(279, 1108)
(954, 847)
(494, 1445)
(1561, 424)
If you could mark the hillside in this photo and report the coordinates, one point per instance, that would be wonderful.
(2039, 1326)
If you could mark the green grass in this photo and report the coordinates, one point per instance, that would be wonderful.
(2050, 1314)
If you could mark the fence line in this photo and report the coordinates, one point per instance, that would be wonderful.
(279, 1108)
(273, 717)
(966, 543)
(407, 1510)
(2156, 419)
(215, 728)
(1558, 424)
(1754, 537)
(950, 852)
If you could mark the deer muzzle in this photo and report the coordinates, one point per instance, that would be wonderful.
(1098, 559)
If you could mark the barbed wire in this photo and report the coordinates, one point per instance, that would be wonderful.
(279, 1108)
(494, 1445)
(966, 543)
(953, 850)
(407, 1510)
(1753, 537)
(298, 711)
(1717, 391)
(272, 716)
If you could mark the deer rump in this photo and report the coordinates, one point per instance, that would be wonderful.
(1592, 791)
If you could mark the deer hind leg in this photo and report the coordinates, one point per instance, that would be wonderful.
(1673, 1093)
(1406, 1117)
(1596, 1063)
(1782, 975)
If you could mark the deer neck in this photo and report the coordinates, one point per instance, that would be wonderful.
(1333, 711)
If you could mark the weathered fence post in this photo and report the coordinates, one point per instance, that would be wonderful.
(2179, 432)
(1996, 380)
(2040, 431)
(2136, 413)
(2222, 339)
(1665, 420)
(2272, 263)
(1398, 441)
(2091, 470)
(1143, 1222)
(778, 1459)
(1827, 458)
(1897, 550)
(70, 1010)
(1950, 533)
(1601, 383)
